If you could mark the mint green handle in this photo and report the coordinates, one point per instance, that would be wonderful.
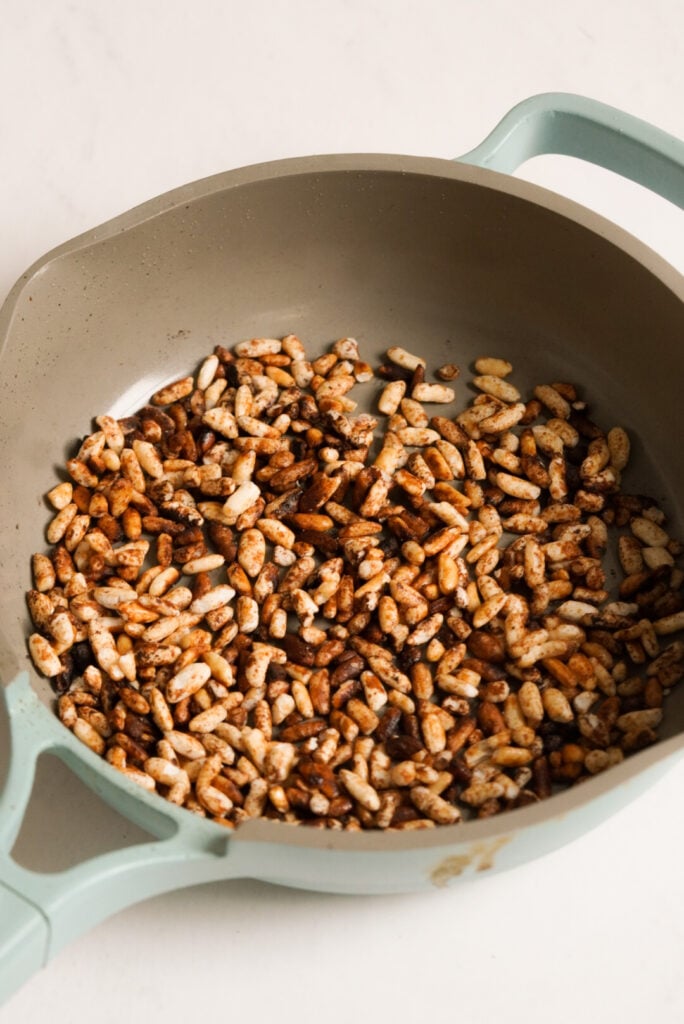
(569, 125)
(24, 930)
(23, 941)
(40, 912)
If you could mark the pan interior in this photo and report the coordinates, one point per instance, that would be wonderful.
(445, 266)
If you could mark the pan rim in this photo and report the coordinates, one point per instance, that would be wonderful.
(289, 167)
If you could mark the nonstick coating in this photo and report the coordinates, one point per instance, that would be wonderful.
(447, 260)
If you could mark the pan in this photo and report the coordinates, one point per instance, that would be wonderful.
(458, 258)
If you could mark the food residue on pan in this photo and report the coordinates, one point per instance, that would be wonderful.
(480, 856)
(258, 601)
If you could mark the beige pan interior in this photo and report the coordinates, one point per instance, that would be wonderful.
(447, 260)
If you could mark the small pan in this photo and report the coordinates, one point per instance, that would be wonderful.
(453, 258)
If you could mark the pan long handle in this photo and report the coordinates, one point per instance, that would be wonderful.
(41, 912)
(570, 125)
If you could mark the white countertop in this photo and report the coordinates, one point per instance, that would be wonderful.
(107, 104)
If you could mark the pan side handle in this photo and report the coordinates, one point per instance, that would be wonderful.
(23, 941)
(570, 125)
(24, 929)
(40, 912)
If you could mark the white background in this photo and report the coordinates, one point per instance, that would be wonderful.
(104, 105)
